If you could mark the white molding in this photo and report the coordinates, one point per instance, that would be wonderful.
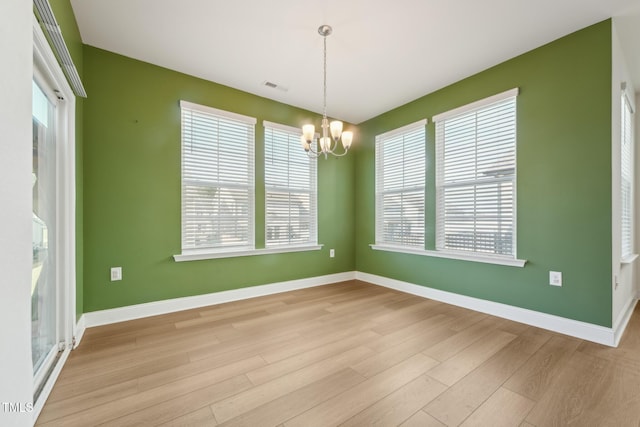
(201, 255)
(476, 104)
(622, 321)
(217, 112)
(79, 331)
(575, 328)
(512, 262)
(629, 259)
(403, 129)
(105, 317)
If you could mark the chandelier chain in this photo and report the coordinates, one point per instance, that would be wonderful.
(324, 111)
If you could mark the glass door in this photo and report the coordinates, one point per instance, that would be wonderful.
(45, 288)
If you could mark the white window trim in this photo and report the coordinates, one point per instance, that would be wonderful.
(283, 248)
(475, 256)
(463, 256)
(476, 104)
(202, 255)
(187, 254)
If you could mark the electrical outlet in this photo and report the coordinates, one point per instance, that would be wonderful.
(332, 253)
(116, 273)
(555, 278)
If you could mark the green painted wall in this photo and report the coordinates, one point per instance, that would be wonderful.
(67, 21)
(563, 182)
(132, 189)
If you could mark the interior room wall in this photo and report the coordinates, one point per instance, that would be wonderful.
(132, 189)
(16, 384)
(563, 183)
(623, 274)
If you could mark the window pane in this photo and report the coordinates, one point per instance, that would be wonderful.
(475, 180)
(217, 179)
(290, 183)
(400, 182)
(43, 273)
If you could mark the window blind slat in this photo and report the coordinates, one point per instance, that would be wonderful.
(626, 179)
(475, 179)
(400, 186)
(217, 178)
(290, 189)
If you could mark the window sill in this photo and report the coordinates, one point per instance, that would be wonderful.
(513, 262)
(201, 255)
(629, 259)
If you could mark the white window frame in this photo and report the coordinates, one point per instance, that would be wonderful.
(441, 246)
(380, 191)
(293, 135)
(212, 250)
(627, 174)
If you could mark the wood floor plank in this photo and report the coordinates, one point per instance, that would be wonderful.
(288, 406)
(347, 404)
(600, 393)
(281, 367)
(537, 375)
(454, 344)
(124, 406)
(67, 388)
(263, 393)
(400, 405)
(408, 332)
(181, 405)
(63, 408)
(454, 405)
(503, 409)
(207, 366)
(388, 358)
(455, 368)
(201, 418)
(314, 338)
(421, 419)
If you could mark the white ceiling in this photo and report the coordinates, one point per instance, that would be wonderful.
(382, 54)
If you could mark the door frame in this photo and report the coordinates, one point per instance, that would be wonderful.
(46, 67)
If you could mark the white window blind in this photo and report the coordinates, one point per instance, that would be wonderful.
(217, 179)
(626, 178)
(476, 176)
(400, 186)
(290, 188)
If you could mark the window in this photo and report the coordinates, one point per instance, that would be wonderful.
(217, 179)
(400, 184)
(476, 177)
(290, 188)
(626, 178)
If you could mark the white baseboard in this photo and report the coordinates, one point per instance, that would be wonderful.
(575, 328)
(622, 321)
(121, 314)
(79, 331)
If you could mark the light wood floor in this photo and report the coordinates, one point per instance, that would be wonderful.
(350, 354)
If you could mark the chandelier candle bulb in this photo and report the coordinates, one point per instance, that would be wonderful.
(336, 130)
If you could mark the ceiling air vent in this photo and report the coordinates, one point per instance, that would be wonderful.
(275, 86)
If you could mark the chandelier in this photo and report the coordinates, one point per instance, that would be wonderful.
(331, 132)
